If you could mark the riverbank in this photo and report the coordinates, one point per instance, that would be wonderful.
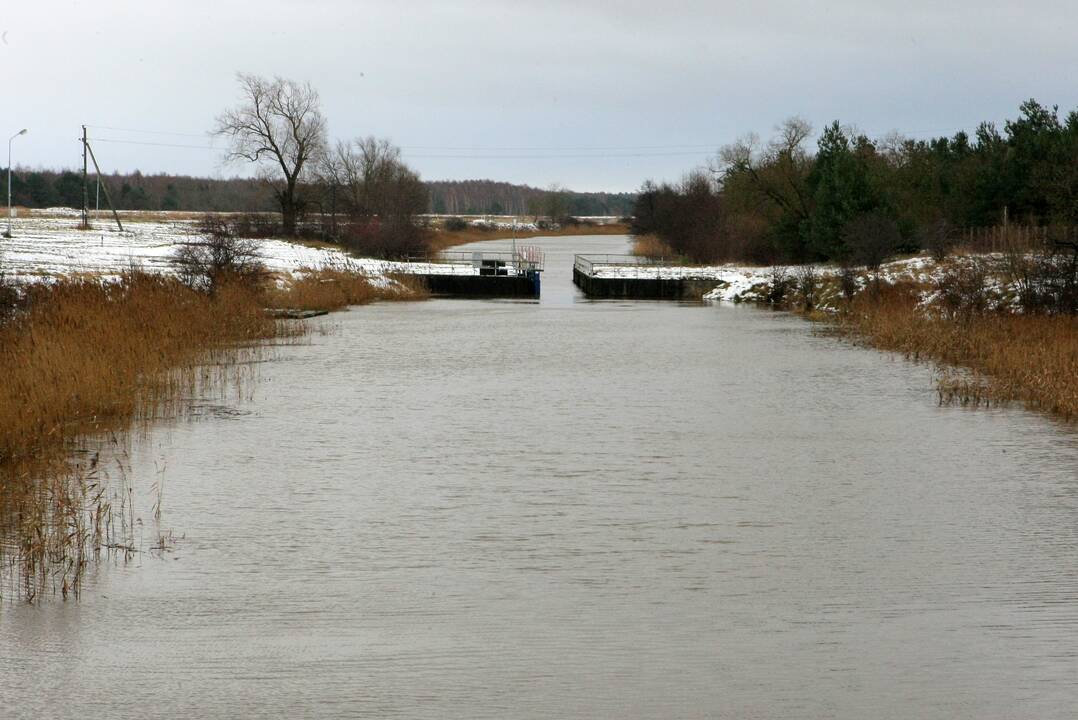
(969, 314)
(1000, 325)
(988, 357)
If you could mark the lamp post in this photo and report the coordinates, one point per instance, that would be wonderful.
(10, 139)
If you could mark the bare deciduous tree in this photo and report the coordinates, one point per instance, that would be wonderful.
(375, 180)
(777, 170)
(556, 202)
(380, 194)
(278, 125)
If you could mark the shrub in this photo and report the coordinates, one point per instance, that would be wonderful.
(1047, 278)
(456, 224)
(808, 285)
(780, 286)
(385, 239)
(849, 283)
(256, 225)
(869, 239)
(962, 291)
(221, 257)
(936, 237)
(9, 295)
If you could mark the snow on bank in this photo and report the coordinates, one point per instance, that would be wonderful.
(499, 225)
(741, 283)
(43, 247)
(731, 281)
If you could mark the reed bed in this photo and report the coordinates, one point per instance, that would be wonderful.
(651, 246)
(84, 361)
(334, 289)
(1007, 356)
(87, 356)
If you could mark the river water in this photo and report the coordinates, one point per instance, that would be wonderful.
(498, 509)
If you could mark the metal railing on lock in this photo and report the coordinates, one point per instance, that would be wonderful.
(524, 259)
(587, 263)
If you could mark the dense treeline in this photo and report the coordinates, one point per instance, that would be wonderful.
(855, 198)
(482, 197)
(136, 191)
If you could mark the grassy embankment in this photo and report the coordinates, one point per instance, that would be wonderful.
(85, 359)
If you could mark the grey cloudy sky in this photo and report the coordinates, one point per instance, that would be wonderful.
(607, 94)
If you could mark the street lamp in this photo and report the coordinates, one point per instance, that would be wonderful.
(21, 132)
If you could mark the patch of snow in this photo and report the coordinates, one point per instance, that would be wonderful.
(43, 247)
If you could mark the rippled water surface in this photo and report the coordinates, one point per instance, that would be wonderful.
(495, 509)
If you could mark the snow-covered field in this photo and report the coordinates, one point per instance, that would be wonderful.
(50, 244)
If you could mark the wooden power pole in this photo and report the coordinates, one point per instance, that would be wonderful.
(108, 199)
(85, 187)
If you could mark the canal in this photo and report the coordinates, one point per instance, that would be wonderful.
(518, 509)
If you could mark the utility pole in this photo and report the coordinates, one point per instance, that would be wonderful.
(108, 199)
(85, 186)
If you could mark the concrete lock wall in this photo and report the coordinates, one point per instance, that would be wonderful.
(483, 285)
(642, 288)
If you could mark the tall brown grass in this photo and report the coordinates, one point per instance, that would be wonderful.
(86, 355)
(651, 246)
(333, 289)
(84, 358)
(82, 361)
(1010, 357)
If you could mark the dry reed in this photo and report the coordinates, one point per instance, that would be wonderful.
(86, 356)
(333, 289)
(651, 246)
(83, 361)
(1028, 358)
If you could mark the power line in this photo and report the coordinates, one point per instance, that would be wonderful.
(446, 148)
(480, 152)
(156, 144)
(146, 132)
(683, 146)
(597, 156)
(452, 156)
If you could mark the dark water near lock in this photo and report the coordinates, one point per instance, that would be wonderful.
(482, 509)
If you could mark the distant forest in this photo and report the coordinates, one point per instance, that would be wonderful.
(136, 191)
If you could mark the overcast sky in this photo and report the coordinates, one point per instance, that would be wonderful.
(607, 94)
